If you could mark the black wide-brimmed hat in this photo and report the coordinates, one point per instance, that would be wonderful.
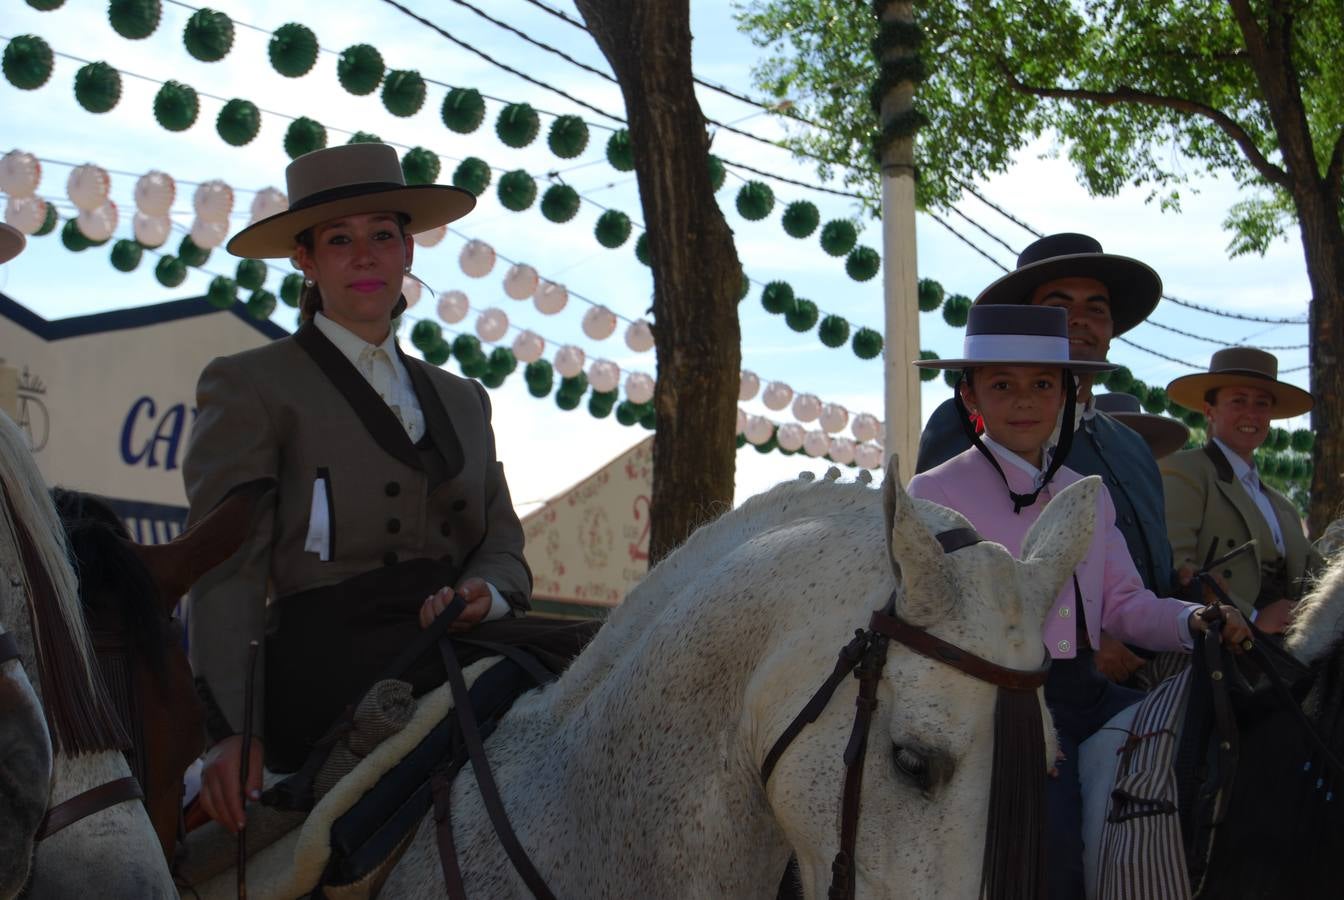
(1134, 287)
(1163, 434)
(1242, 367)
(12, 242)
(343, 181)
(1016, 336)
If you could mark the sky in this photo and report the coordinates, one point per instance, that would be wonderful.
(545, 450)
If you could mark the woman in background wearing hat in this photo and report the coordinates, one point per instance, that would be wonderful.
(388, 495)
(1214, 493)
(1019, 380)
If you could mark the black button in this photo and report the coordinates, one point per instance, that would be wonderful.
(459, 505)
(392, 489)
(1231, 542)
(445, 529)
(390, 558)
(393, 526)
(1227, 573)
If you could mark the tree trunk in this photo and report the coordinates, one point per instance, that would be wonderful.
(1323, 246)
(696, 273)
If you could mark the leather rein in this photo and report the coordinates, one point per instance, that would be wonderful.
(84, 804)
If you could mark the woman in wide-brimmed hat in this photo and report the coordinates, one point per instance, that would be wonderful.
(1018, 381)
(1215, 494)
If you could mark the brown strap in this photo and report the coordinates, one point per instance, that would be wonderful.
(441, 788)
(88, 803)
(935, 648)
(869, 673)
(9, 648)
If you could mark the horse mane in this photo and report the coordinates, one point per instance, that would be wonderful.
(79, 713)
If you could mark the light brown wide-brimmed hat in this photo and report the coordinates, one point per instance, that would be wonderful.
(343, 181)
(12, 242)
(1163, 434)
(1241, 367)
(1134, 287)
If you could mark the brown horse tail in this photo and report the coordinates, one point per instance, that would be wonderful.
(1014, 864)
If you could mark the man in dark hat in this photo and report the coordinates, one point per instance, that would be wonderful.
(1104, 295)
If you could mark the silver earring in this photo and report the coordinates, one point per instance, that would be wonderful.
(406, 269)
(307, 282)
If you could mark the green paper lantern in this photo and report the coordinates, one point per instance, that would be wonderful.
(425, 334)
(863, 263)
(403, 92)
(463, 110)
(472, 174)
(208, 35)
(1301, 470)
(304, 135)
(867, 343)
(838, 237)
(717, 173)
(126, 255)
(770, 444)
(539, 389)
(222, 292)
(1118, 379)
(170, 271)
(802, 316)
(517, 125)
(612, 229)
(492, 379)
(1138, 390)
(642, 249)
(134, 19)
(290, 288)
(928, 374)
(930, 295)
(250, 274)
(49, 223)
(619, 153)
(46, 5)
(437, 354)
(833, 331)
(577, 384)
(474, 366)
(517, 190)
(238, 122)
(1302, 440)
(1279, 439)
(741, 440)
(539, 377)
(74, 239)
(503, 361)
(800, 219)
(952, 377)
(190, 254)
(567, 401)
(755, 200)
(360, 69)
(744, 289)
(466, 346)
(601, 405)
(560, 203)
(568, 136)
(420, 166)
(956, 310)
(293, 50)
(648, 420)
(777, 297)
(97, 87)
(1156, 401)
(627, 413)
(1194, 418)
(27, 62)
(176, 106)
(364, 137)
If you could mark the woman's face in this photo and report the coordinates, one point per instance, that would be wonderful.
(1239, 417)
(1020, 405)
(358, 262)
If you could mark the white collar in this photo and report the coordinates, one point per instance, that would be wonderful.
(1009, 456)
(350, 344)
(1240, 468)
(1084, 412)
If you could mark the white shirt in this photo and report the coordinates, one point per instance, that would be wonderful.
(1249, 479)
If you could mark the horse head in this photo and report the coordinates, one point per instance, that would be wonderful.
(25, 764)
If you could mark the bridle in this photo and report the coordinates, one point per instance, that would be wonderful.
(866, 656)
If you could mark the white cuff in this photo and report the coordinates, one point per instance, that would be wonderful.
(1186, 635)
(499, 607)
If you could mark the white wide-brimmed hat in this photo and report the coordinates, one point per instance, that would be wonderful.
(1016, 336)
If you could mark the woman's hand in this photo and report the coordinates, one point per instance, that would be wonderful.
(1235, 630)
(219, 781)
(474, 590)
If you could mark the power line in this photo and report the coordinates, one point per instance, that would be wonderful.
(1200, 337)
(970, 189)
(1172, 359)
(965, 240)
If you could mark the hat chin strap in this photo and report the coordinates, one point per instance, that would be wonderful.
(1020, 501)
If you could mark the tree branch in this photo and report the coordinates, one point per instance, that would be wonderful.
(1124, 94)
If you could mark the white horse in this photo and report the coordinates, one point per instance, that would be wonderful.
(112, 853)
(25, 768)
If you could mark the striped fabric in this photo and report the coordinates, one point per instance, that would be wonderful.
(1142, 855)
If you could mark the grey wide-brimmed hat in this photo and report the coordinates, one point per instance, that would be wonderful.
(1134, 287)
(1242, 367)
(349, 180)
(1016, 336)
(1163, 434)
(12, 242)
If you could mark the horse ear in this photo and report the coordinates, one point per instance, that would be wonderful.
(916, 556)
(176, 565)
(1059, 539)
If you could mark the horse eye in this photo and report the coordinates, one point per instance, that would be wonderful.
(912, 766)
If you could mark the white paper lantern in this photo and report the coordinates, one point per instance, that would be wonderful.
(834, 417)
(410, 289)
(491, 324)
(268, 202)
(432, 237)
(155, 192)
(453, 306)
(639, 336)
(806, 407)
(520, 282)
(639, 388)
(777, 395)
(213, 200)
(842, 450)
(759, 430)
(599, 323)
(98, 224)
(790, 436)
(816, 443)
(569, 361)
(528, 347)
(20, 173)
(741, 421)
(151, 231)
(26, 213)
(477, 259)
(550, 297)
(209, 233)
(748, 386)
(864, 428)
(604, 375)
(869, 456)
(88, 186)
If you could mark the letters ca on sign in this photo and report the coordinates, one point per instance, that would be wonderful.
(154, 437)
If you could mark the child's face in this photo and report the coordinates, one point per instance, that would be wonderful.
(1019, 404)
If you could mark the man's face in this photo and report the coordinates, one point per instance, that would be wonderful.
(1088, 303)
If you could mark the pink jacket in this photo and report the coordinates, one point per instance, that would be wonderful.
(1114, 597)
